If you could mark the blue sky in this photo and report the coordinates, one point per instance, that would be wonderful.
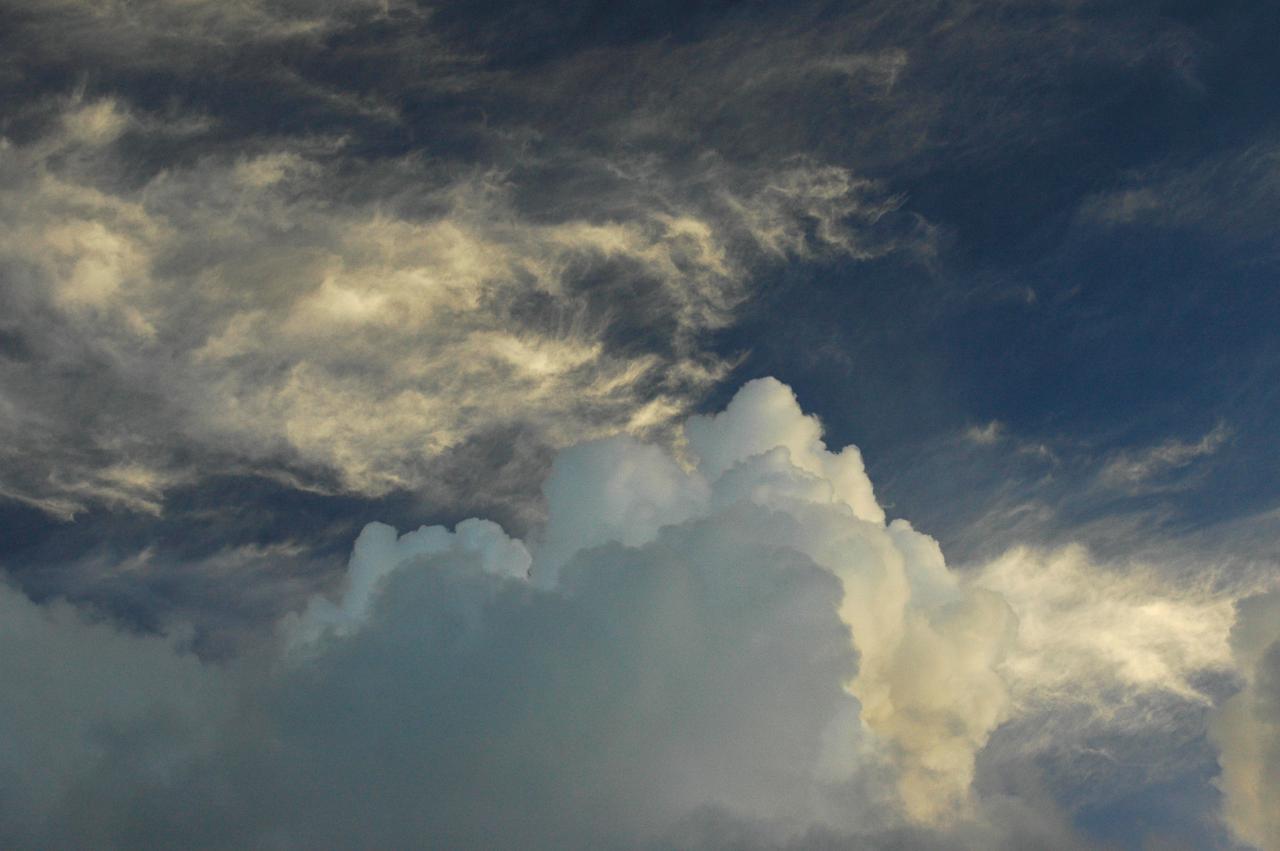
(275, 271)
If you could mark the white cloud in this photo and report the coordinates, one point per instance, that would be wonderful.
(986, 435)
(926, 644)
(744, 635)
(1091, 632)
(1136, 469)
(1231, 195)
(687, 648)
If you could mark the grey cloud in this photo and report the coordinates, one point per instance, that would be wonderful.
(164, 32)
(1245, 726)
(522, 253)
(986, 435)
(733, 651)
(756, 649)
(1230, 196)
(86, 695)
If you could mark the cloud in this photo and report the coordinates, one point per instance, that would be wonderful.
(1228, 195)
(692, 648)
(906, 612)
(1135, 470)
(1114, 674)
(987, 435)
(87, 698)
(160, 32)
(231, 310)
(364, 205)
(734, 635)
(1246, 726)
(1113, 627)
(362, 249)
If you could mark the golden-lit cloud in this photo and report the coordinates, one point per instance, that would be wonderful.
(1247, 726)
(280, 325)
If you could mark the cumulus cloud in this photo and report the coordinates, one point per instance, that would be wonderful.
(739, 634)
(88, 704)
(926, 645)
(726, 642)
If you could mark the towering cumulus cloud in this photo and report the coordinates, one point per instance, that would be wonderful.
(720, 647)
(767, 553)
(693, 645)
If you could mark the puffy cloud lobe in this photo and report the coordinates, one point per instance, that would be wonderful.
(765, 416)
(725, 638)
(927, 645)
(378, 551)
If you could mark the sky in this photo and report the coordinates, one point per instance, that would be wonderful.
(702, 425)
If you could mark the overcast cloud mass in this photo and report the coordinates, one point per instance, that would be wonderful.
(681, 426)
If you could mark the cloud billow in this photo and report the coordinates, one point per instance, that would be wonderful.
(691, 647)
(731, 637)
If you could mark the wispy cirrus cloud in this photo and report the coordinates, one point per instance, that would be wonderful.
(1229, 196)
(290, 191)
(1136, 470)
(256, 300)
